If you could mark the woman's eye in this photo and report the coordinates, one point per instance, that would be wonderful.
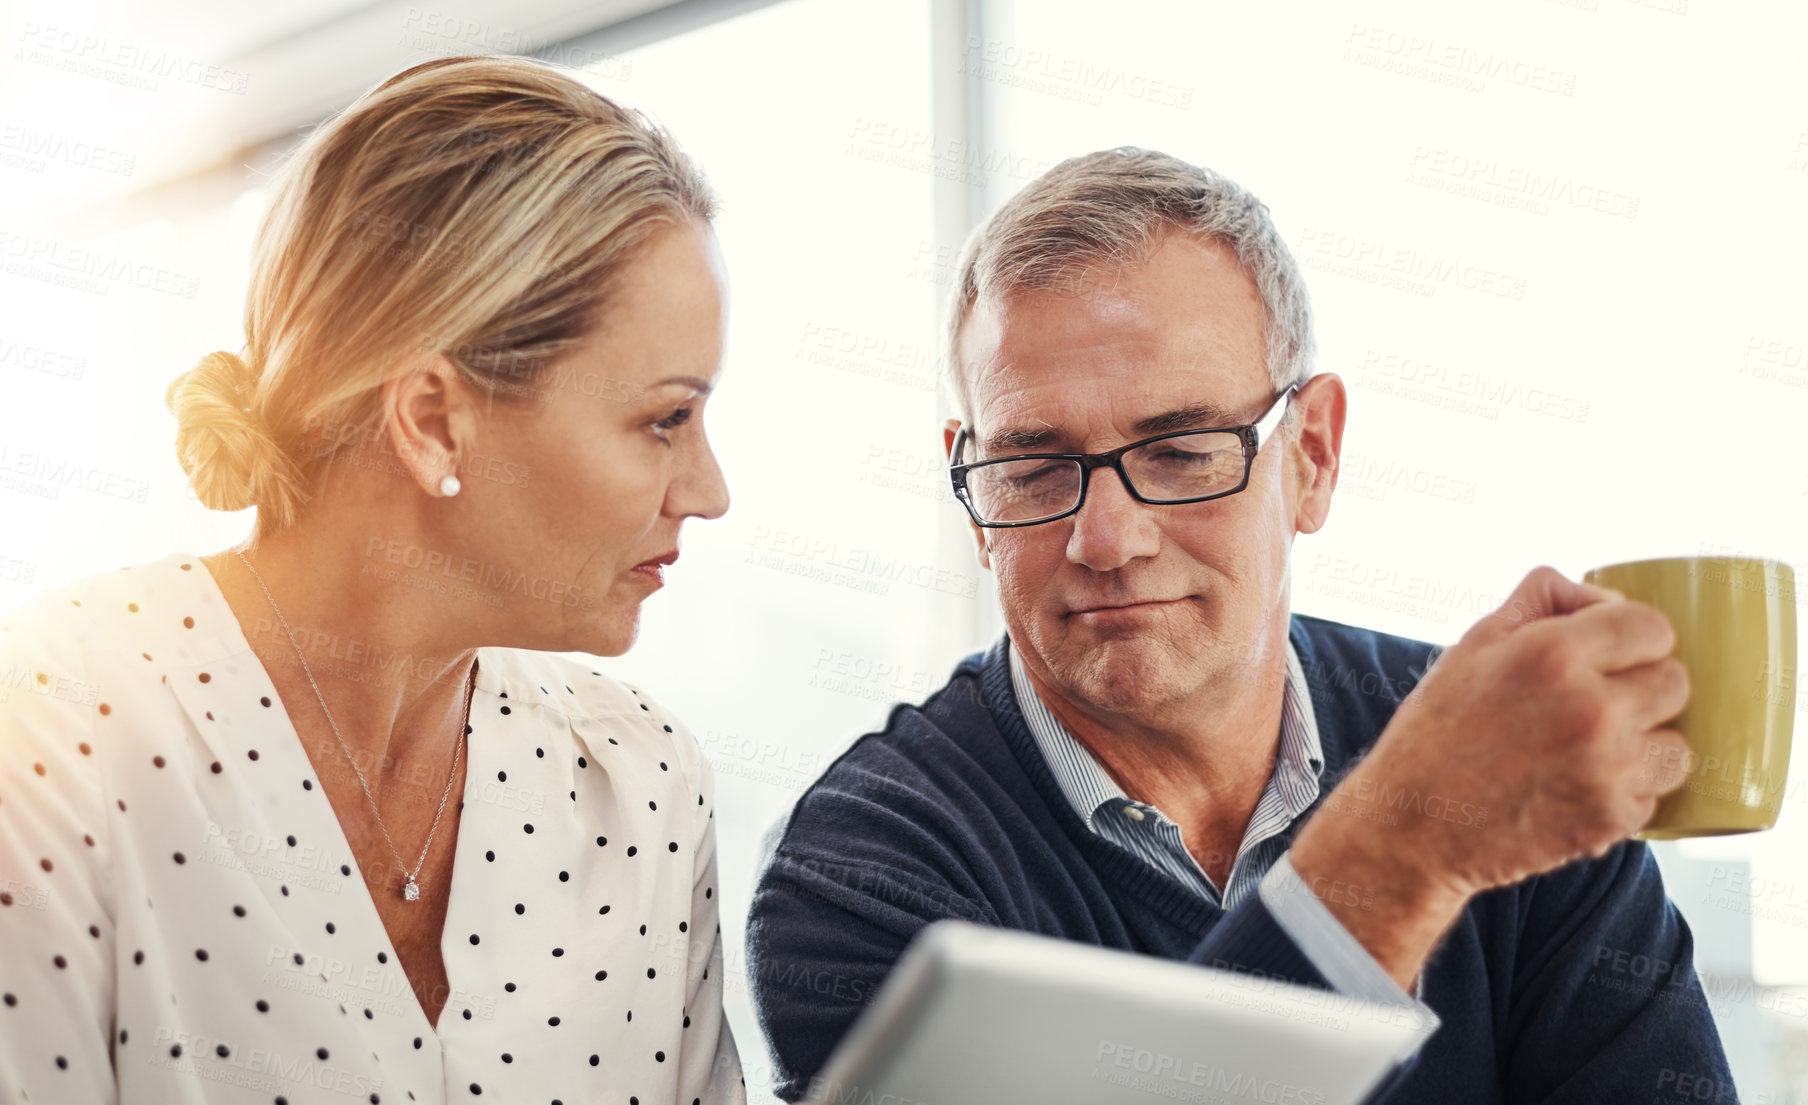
(674, 420)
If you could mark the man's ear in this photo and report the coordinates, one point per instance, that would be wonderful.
(1317, 448)
(431, 420)
(949, 429)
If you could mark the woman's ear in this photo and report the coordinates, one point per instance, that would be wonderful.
(431, 420)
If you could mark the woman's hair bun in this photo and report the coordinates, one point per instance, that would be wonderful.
(231, 460)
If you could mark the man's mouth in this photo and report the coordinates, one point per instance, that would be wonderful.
(1131, 606)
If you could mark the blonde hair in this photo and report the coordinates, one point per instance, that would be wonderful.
(476, 207)
(1108, 210)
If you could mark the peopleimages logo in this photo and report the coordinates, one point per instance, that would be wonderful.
(489, 578)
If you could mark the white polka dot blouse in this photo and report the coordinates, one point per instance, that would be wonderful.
(183, 921)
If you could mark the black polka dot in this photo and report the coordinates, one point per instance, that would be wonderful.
(595, 1059)
(320, 1053)
(201, 954)
(552, 1022)
(558, 952)
(505, 709)
(238, 911)
(564, 876)
(520, 909)
(263, 1006)
(601, 841)
(659, 1056)
(672, 847)
(473, 938)
(417, 1043)
(632, 849)
(491, 856)
(528, 828)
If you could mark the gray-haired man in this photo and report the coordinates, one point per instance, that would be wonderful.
(1158, 757)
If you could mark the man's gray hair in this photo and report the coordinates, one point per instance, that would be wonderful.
(1107, 210)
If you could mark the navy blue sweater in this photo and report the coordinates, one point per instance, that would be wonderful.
(952, 812)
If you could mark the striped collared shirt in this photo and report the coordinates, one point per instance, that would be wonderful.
(1261, 867)
(1147, 832)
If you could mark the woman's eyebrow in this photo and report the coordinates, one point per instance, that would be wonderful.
(695, 383)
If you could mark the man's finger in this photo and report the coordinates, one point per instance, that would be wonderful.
(1617, 636)
(1667, 764)
(1657, 691)
(1543, 593)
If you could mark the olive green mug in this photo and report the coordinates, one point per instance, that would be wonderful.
(1734, 619)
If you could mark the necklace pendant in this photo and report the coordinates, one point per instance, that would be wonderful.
(412, 891)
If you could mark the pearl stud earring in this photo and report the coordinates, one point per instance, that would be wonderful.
(449, 486)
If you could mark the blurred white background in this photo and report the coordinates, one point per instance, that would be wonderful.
(1555, 249)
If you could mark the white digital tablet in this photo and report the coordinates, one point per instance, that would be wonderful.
(973, 1014)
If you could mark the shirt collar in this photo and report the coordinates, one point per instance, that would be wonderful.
(1089, 787)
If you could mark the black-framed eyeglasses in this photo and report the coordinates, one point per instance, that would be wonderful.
(1184, 466)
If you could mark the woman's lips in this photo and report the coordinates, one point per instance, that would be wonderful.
(654, 569)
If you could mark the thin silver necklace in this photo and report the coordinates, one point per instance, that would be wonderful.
(411, 890)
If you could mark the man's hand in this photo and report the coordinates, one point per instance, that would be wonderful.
(1543, 727)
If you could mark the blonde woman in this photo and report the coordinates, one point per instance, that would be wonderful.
(324, 816)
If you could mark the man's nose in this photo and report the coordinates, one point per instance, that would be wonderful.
(1111, 528)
